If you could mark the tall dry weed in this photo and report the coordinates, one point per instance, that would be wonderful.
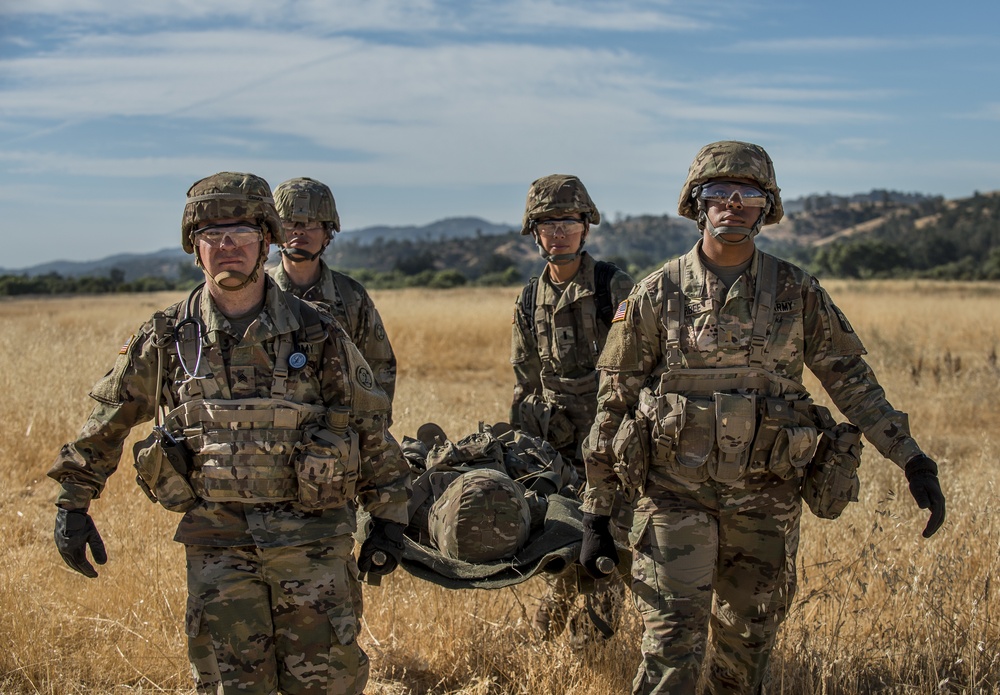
(878, 608)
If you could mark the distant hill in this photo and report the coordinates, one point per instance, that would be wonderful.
(876, 234)
(641, 241)
(164, 263)
(448, 228)
(168, 263)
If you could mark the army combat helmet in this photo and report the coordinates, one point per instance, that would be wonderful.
(553, 196)
(481, 516)
(229, 195)
(726, 160)
(306, 200)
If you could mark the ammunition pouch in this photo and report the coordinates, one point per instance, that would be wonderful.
(162, 465)
(735, 427)
(726, 436)
(327, 467)
(631, 446)
(831, 479)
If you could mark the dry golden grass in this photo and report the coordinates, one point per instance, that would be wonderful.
(878, 610)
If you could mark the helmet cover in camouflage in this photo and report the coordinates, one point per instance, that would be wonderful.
(555, 195)
(306, 200)
(230, 195)
(481, 516)
(730, 159)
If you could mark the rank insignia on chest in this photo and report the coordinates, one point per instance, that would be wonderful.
(620, 312)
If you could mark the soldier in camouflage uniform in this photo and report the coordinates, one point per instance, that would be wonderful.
(559, 324)
(703, 418)
(561, 321)
(309, 215)
(274, 429)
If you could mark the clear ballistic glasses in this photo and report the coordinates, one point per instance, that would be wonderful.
(238, 234)
(724, 193)
(565, 226)
(304, 227)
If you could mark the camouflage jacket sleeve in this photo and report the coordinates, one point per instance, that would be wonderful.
(630, 355)
(834, 353)
(383, 486)
(124, 399)
(621, 287)
(525, 360)
(373, 341)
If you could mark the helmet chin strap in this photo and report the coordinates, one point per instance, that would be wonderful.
(558, 258)
(296, 255)
(747, 233)
(234, 280)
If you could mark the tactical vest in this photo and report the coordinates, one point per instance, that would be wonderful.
(723, 423)
(245, 449)
(569, 342)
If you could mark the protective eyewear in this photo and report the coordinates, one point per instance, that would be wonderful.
(566, 227)
(238, 234)
(741, 193)
(304, 227)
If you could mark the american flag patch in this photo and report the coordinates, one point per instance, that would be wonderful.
(127, 345)
(620, 312)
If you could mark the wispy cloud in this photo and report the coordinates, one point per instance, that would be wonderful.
(419, 109)
(847, 44)
(986, 112)
(406, 16)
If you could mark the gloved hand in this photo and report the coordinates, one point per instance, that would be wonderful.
(386, 537)
(597, 544)
(75, 530)
(921, 473)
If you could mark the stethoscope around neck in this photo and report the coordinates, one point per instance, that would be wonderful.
(190, 330)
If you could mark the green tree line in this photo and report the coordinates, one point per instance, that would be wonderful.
(910, 236)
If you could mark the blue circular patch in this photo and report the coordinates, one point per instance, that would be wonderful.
(297, 360)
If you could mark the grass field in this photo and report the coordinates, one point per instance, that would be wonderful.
(878, 610)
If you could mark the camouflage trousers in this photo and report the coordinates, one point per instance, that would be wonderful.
(715, 560)
(269, 620)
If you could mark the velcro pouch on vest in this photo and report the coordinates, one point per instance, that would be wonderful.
(793, 448)
(158, 475)
(327, 468)
(696, 439)
(831, 481)
(777, 415)
(631, 445)
(735, 426)
(665, 415)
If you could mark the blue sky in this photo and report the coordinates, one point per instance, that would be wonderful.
(415, 110)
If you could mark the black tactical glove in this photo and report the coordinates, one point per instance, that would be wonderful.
(598, 546)
(921, 473)
(75, 530)
(382, 550)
